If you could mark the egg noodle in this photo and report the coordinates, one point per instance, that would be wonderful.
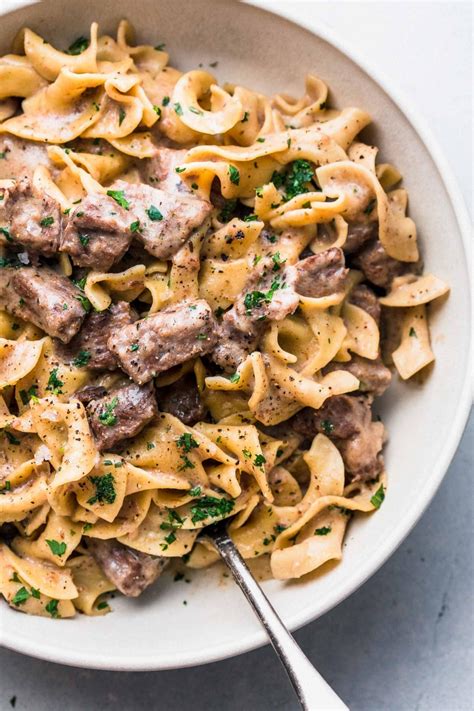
(288, 179)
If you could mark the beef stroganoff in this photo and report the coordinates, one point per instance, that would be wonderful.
(202, 292)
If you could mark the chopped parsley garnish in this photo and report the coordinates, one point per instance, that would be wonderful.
(86, 527)
(150, 445)
(54, 383)
(201, 337)
(234, 378)
(260, 140)
(194, 110)
(82, 359)
(186, 442)
(296, 179)
(412, 332)
(254, 299)
(119, 197)
(195, 491)
(187, 463)
(323, 531)
(245, 117)
(103, 605)
(259, 460)
(135, 226)
(227, 210)
(154, 214)
(180, 170)
(6, 233)
(122, 115)
(157, 110)
(11, 437)
(7, 486)
(327, 427)
(178, 109)
(378, 498)
(166, 100)
(134, 347)
(56, 547)
(170, 538)
(35, 593)
(277, 261)
(108, 416)
(52, 608)
(47, 221)
(247, 453)
(104, 489)
(27, 395)
(250, 218)
(78, 46)
(160, 47)
(21, 596)
(210, 507)
(85, 303)
(234, 174)
(84, 239)
(370, 206)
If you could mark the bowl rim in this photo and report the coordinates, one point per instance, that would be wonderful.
(414, 512)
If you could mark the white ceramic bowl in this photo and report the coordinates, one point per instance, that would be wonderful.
(267, 52)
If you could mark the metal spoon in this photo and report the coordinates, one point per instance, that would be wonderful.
(313, 693)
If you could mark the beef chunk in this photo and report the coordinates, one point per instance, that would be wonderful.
(121, 414)
(363, 297)
(182, 399)
(374, 377)
(347, 420)
(377, 266)
(33, 220)
(160, 171)
(45, 298)
(358, 234)
(166, 220)
(164, 339)
(89, 393)
(98, 233)
(94, 334)
(320, 275)
(129, 570)
(340, 416)
(20, 157)
(271, 294)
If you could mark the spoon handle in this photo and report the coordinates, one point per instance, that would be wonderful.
(313, 692)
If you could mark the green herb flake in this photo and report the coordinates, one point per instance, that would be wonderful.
(134, 347)
(245, 117)
(260, 140)
(104, 489)
(21, 596)
(277, 261)
(186, 442)
(370, 206)
(227, 210)
(378, 498)
(108, 416)
(165, 101)
(86, 527)
(195, 491)
(210, 507)
(234, 378)
(154, 214)
(52, 608)
(412, 332)
(119, 197)
(194, 110)
(82, 359)
(157, 110)
(56, 547)
(122, 115)
(103, 605)
(11, 437)
(259, 460)
(135, 226)
(297, 178)
(255, 299)
(54, 383)
(178, 109)
(327, 427)
(323, 531)
(234, 175)
(47, 221)
(84, 239)
(78, 46)
(150, 445)
(35, 593)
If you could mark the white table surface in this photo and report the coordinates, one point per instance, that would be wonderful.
(403, 642)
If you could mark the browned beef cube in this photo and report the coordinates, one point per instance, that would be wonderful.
(121, 414)
(373, 375)
(358, 234)
(166, 219)
(34, 221)
(45, 298)
(322, 274)
(160, 170)
(182, 399)
(98, 232)
(164, 339)
(129, 570)
(363, 297)
(90, 344)
(377, 266)
(339, 416)
(89, 393)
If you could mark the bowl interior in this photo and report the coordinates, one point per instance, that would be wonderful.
(264, 51)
